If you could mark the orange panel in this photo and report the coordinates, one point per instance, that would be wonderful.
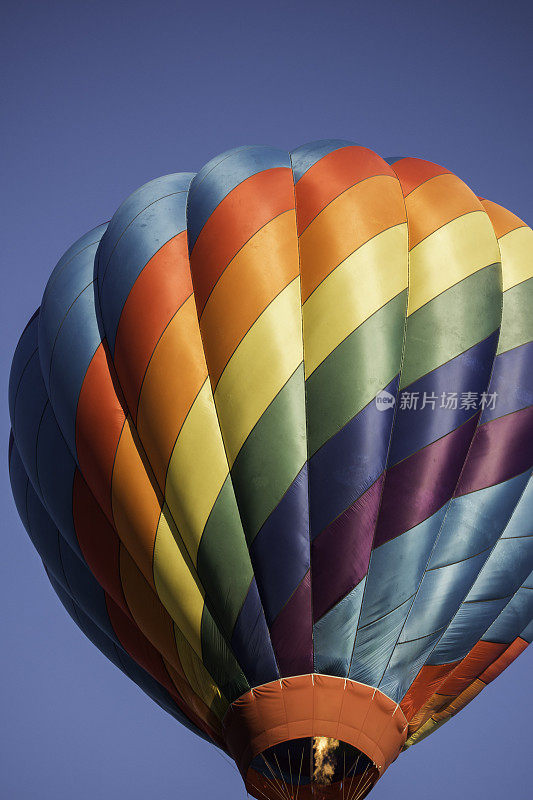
(471, 667)
(423, 687)
(176, 373)
(353, 219)
(245, 210)
(506, 658)
(258, 273)
(437, 202)
(331, 176)
(161, 288)
(136, 502)
(503, 221)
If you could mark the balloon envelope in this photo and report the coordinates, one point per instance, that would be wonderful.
(272, 439)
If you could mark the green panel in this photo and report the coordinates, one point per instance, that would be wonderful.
(224, 565)
(220, 661)
(354, 372)
(452, 322)
(517, 317)
(272, 456)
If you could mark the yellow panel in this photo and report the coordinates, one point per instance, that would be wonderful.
(199, 678)
(458, 249)
(261, 365)
(516, 248)
(198, 467)
(366, 280)
(175, 583)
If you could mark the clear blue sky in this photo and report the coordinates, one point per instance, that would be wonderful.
(100, 97)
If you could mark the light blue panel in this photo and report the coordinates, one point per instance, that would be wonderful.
(406, 662)
(475, 521)
(516, 615)
(307, 155)
(26, 347)
(479, 611)
(73, 254)
(76, 344)
(29, 404)
(334, 634)
(67, 282)
(55, 471)
(135, 204)
(509, 564)
(441, 593)
(374, 645)
(470, 623)
(521, 523)
(527, 633)
(152, 228)
(396, 568)
(221, 175)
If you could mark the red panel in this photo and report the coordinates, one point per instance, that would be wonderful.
(331, 176)
(245, 210)
(98, 541)
(159, 291)
(413, 172)
(99, 421)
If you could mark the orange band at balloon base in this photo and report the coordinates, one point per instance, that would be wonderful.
(312, 707)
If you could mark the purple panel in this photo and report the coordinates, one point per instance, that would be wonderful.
(502, 449)
(418, 486)
(292, 633)
(340, 554)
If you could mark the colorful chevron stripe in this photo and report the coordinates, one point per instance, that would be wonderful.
(275, 419)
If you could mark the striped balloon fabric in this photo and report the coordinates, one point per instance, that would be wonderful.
(272, 435)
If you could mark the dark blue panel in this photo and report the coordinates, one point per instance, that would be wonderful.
(349, 463)
(75, 346)
(511, 382)
(26, 347)
(30, 402)
(415, 428)
(19, 481)
(55, 470)
(258, 662)
(280, 551)
(67, 282)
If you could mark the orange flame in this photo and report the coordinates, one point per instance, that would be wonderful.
(324, 755)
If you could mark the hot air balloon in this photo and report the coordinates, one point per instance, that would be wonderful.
(272, 440)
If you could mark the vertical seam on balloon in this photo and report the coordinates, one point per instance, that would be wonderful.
(384, 471)
(305, 417)
(441, 527)
(207, 380)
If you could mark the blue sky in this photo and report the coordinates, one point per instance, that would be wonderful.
(101, 97)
